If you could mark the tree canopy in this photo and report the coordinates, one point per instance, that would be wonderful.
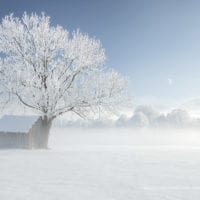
(52, 71)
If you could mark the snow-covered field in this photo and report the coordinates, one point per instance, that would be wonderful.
(105, 164)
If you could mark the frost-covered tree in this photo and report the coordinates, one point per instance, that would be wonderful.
(51, 71)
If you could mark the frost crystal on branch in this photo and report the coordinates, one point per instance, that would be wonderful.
(47, 69)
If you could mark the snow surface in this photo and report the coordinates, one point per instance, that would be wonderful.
(14, 123)
(106, 164)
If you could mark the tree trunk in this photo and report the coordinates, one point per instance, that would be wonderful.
(44, 133)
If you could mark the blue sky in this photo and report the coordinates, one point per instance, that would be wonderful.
(154, 42)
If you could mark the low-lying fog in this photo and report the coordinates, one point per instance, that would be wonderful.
(123, 137)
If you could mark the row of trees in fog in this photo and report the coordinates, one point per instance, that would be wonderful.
(147, 116)
(142, 117)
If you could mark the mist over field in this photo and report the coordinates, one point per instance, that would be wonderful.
(64, 138)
